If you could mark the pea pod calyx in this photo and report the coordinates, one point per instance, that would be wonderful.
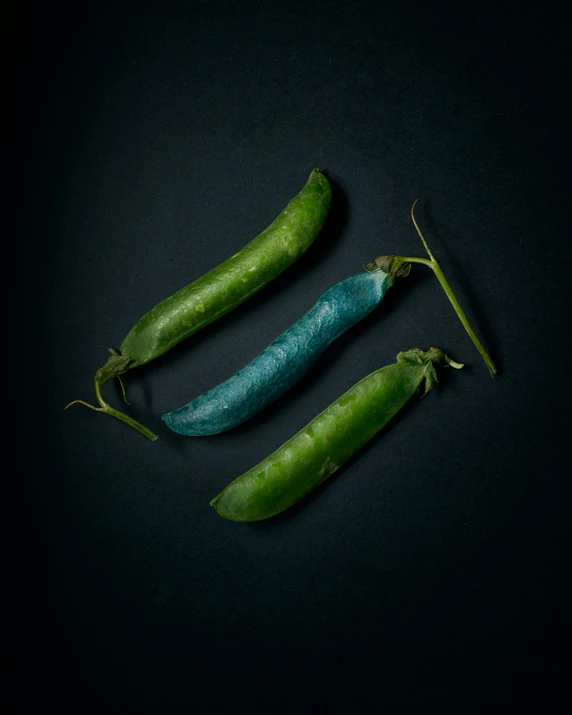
(116, 365)
(430, 358)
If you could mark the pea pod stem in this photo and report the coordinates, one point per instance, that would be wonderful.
(436, 268)
(106, 408)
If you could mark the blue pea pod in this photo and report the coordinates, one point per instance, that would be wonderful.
(277, 368)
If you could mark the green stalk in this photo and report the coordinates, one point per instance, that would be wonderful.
(436, 268)
(109, 410)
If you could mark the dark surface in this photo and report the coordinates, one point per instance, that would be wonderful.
(152, 144)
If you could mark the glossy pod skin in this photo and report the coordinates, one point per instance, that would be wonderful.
(228, 285)
(289, 357)
(330, 439)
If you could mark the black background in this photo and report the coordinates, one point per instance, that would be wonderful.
(153, 142)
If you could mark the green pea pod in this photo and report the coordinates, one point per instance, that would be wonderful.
(330, 439)
(220, 290)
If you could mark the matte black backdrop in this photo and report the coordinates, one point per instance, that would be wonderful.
(154, 142)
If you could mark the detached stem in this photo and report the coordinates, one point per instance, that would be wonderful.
(109, 410)
(449, 293)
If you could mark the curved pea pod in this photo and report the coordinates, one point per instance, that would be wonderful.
(330, 439)
(277, 368)
(220, 290)
(228, 285)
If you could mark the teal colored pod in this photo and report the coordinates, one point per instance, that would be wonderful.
(277, 368)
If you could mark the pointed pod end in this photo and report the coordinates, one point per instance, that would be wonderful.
(221, 511)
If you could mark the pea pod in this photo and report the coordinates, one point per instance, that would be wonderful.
(284, 361)
(330, 439)
(220, 290)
